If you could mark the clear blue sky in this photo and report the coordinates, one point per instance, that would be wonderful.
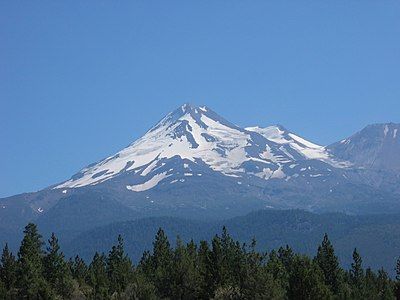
(79, 80)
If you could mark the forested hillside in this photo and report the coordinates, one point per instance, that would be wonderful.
(377, 236)
(221, 269)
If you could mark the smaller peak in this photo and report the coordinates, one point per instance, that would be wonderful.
(281, 127)
(382, 125)
(378, 128)
(276, 127)
(185, 109)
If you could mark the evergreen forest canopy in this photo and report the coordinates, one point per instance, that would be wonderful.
(220, 269)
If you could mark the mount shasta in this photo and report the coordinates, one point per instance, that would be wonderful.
(195, 164)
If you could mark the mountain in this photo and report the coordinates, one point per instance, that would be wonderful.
(375, 147)
(198, 136)
(195, 164)
(376, 236)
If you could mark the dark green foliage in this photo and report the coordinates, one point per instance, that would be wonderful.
(224, 269)
(97, 277)
(384, 286)
(356, 276)
(3, 291)
(256, 281)
(371, 284)
(398, 270)
(185, 277)
(56, 270)
(376, 235)
(79, 270)
(119, 268)
(31, 282)
(205, 271)
(306, 280)
(140, 288)
(286, 256)
(329, 264)
(397, 284)
(161, 263)
(8, 269)
(276, 268)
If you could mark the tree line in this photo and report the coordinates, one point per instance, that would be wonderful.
(220, 269)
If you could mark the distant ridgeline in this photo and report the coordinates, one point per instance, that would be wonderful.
(221, 269)
(195, 164)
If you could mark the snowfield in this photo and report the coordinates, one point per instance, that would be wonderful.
(198, 134)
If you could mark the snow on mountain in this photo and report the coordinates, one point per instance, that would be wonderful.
(376, 147)
(188, 132)
(198, 135)
(280, 135)
(195, 164)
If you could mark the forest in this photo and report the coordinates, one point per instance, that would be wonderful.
(222, 268)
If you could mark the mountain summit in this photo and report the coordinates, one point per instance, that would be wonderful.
(196, 164)
(198, 135)
(377, 147)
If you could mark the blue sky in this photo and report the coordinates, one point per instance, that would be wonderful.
(79, 80)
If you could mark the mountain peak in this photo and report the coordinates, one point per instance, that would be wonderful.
(197, 136)
(190, 132)
(186, 109)
(376, 146)
(190, 107)
(194, 112)
(384, 130)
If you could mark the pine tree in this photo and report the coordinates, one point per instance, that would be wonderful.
(306, 280)
(397, 269)
(140, 288)
(356, 272)
(119, 267)
(216, 264)
(329, 264)
(186, 279)
(276, 268)
(8, 269)
(3, 291)
(226, 258)
(256, 281)
(56, 270)
(228, 270)
(385, 290)
(397, 288)
(97, 277)
(286, 256)
(31, 282)
(371, 284)
(145, 266)
(162, 264)
(79, 270)
(205, 269)
(357, 279)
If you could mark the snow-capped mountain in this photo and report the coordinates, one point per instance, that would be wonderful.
(197, 135)
(196, 164)
(308, 150)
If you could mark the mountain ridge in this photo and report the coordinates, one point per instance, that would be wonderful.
(271, 228)
(195, 164)
(197, 132)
